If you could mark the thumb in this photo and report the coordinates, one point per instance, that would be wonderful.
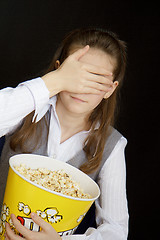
(80, 52)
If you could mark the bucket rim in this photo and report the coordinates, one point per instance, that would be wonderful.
(48, 190)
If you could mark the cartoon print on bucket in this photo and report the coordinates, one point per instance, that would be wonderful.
(50, 214)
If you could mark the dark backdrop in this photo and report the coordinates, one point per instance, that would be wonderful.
(29, 34)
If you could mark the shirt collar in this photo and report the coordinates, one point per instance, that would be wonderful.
(52, 102)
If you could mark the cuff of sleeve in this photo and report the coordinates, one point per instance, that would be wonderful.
(40, 95)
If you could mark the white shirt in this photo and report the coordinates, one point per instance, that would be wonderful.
(111, 207)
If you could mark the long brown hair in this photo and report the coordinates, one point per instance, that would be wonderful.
(103, 114)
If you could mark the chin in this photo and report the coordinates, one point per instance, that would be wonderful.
(76, 109)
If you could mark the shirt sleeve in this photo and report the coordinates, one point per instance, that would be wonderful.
(111, 207)
(17, 103)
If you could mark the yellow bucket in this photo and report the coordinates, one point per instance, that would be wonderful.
(22, 197)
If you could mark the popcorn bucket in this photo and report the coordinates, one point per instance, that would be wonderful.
(22, 197)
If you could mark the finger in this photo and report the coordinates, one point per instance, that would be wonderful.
(47, 229)
(97, 70)
(38, 220)
(80, 52)
(10, 235)
(90, 90)
(100, 87)
(100, 79)
(20, 228)
(6, 237)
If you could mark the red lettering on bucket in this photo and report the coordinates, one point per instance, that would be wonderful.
(29, 223)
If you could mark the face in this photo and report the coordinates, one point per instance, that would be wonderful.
(85, 103)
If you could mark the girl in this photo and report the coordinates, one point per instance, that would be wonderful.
(67, 114)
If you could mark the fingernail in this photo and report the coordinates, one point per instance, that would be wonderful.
(86, 47)
(33, 214)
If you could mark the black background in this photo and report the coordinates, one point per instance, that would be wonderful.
(29, 34)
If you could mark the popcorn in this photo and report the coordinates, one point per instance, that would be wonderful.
(58, 181)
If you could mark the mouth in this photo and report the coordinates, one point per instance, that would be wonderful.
(78, 99)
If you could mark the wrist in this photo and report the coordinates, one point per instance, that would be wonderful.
(52, 83)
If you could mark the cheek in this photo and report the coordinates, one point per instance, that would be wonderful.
(64, 95)
(96, 99)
